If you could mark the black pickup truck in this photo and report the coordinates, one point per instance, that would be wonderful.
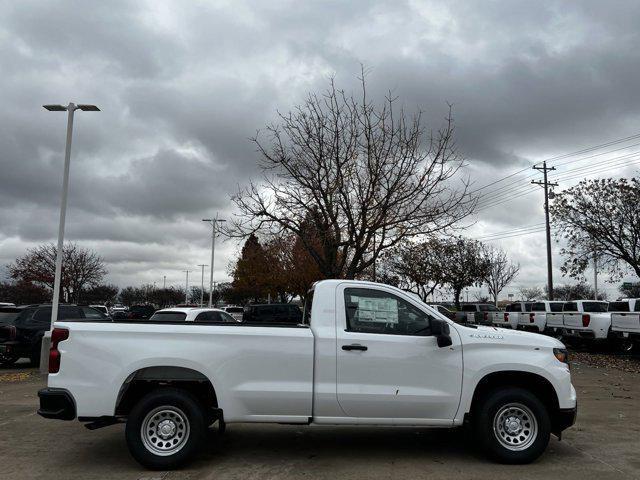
(22, 328)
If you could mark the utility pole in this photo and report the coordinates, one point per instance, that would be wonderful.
(164, 282)
(202, 284)
(214, 224)
(545, 184)
(186, 289)
(595, 275)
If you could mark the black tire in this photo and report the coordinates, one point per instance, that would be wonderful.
(166, 405)
(34, 358)
(515, 446)
(7, 361)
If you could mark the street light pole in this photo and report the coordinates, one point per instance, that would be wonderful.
(202, 284)
(214, 222)
(70, 109)
(186, 288)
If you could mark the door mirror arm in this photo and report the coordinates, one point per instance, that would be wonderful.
(440, 330)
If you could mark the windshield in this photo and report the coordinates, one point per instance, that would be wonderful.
(168, 317)
(594, 307)
(8, 315)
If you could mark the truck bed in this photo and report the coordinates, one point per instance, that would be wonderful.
(261, 372)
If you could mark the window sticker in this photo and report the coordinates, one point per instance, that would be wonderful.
(379, 310)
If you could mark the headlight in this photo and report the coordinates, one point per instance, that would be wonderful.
(562, 355)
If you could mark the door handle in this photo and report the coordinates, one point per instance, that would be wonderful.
(355, 346)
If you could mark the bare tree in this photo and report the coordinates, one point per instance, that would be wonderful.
(362, 177)
(531, 293)
(600, 217)
(500, 271)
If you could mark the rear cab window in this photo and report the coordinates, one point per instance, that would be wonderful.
(513, 307)
(8, 315)
(594, 307)
(488, 308)
(308, 303)
(618, 307)
(168, 317)
(556, 307)
(468, 308)
(570, 307)
(538, 307)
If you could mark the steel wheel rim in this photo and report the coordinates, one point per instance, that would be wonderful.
(515, 427)
(165, 430)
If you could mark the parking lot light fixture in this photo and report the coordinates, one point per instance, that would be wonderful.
(70, 109)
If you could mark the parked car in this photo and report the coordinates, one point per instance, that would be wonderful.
(625, 323)
(101, 308)
(365, 354)
(118, 307)
(23, 336)
(235, 311)
(204, 315)
(140, 312)
(586, 320)
(7, 304)
(475, 313)
(450, 314)
(272, 313)
(536, 319)
(511, 315)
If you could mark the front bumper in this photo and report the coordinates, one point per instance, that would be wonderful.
(56, 403)
(563, 419)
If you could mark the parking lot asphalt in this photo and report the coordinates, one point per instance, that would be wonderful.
(604, 444)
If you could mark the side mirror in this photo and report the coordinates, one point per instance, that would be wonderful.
(440, 330)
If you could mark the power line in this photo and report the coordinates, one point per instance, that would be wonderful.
(560, 157)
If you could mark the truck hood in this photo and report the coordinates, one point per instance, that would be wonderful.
(505, 336)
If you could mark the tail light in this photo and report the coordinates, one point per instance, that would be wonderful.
(586, 318)
(8, 332)
(485, 316)
(506, 316)
(58, 335)
(532, 317)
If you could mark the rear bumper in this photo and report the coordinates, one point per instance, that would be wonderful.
(56, 403)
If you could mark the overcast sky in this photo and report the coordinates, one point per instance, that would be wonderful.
(182, 85)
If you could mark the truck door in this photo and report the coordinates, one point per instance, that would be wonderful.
(389, 366)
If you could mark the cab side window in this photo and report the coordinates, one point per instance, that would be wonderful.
(376, 311)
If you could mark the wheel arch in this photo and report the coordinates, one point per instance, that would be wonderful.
(532, 382)
(146, 379)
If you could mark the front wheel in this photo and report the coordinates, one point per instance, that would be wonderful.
(7, 360)
(165, 429)
(512, 426)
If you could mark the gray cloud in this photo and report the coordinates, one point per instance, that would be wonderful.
(183, 86)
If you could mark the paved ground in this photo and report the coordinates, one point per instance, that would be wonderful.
(604, 444)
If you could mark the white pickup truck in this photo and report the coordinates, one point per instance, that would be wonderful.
(535, 320)
(510, 318)
(365, 354)
(625, 322)
(587, 320)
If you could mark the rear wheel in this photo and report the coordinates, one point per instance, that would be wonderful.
(7, 360)
(165, 429)
(512, 426)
